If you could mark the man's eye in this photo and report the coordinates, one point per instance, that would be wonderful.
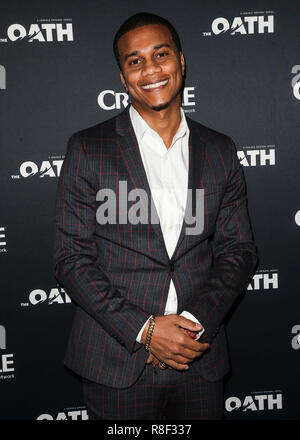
(134, 62)
(162, 54)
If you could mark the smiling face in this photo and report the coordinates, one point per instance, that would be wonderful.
(152, 69)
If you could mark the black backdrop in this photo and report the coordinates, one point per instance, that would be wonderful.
(57, 76)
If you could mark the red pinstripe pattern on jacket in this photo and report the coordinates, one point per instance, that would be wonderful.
(118, 275)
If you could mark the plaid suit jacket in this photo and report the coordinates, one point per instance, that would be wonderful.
(119, 274)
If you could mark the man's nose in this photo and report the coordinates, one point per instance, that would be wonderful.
(151, 66)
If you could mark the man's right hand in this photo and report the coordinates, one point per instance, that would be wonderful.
(173, 346)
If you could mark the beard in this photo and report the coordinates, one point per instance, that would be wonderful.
(159, 107)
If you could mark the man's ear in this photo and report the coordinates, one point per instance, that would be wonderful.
(182, 63)
(123, 81)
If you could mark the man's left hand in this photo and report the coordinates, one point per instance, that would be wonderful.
(154, 361)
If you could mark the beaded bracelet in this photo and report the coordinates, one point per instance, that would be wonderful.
(149, 332)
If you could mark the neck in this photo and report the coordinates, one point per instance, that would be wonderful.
(165, 122)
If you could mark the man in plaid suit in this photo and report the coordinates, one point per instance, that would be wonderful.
(150, 290)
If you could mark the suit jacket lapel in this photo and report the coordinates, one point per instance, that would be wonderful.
(196, 164)
(130, 153)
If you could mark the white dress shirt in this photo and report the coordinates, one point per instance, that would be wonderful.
(167, 173)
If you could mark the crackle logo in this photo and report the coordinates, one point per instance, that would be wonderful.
(248, 23)
(44, 30)
(295, 83)
(56, 295)
(257, 401)
(112, 100)
(45, 169)
(78, 413)
(264, 280)
(7, 367)
(257, 155)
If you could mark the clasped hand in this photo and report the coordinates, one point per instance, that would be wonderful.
(171, 344)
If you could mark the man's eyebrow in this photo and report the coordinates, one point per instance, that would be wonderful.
(131, 54)
(135, 52)
(159, 46)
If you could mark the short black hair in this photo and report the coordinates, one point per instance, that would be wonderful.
(139, 20)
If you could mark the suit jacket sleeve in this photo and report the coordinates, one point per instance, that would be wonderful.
(234, 254)
(75, 252)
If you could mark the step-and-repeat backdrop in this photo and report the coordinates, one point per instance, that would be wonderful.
(57, 76)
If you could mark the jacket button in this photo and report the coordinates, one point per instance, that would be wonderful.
(172, 267)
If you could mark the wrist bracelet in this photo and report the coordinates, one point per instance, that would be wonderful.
(149, 332)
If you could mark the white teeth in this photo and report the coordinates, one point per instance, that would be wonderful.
(153, 86)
